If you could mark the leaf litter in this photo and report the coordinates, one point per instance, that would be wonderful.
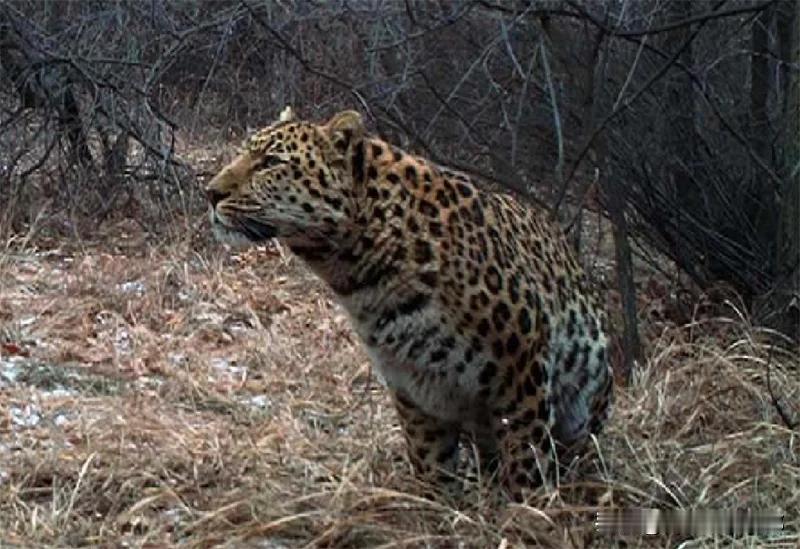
(173, 396)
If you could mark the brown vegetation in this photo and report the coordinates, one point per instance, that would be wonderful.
(156, 390)
(156, 394)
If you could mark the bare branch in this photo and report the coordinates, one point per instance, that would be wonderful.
(556, 116)
(776, 401)
(624, 106)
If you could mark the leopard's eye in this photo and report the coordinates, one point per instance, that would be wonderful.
(268, 161)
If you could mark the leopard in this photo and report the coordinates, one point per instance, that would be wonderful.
(473, 309)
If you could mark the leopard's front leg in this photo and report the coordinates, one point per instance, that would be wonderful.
(432, 444)
(525, 444)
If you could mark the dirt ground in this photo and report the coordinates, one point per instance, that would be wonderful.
(165, 394)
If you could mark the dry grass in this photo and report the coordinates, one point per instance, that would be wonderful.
(152, 396)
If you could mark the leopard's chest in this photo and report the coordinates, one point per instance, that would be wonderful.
(422, 358)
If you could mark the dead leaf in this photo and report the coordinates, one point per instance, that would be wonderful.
(13, 349)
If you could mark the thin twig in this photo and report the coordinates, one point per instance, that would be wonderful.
(655, 77)
(556, 115)
(784, 415)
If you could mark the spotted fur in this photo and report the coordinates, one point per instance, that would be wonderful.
(470, 304)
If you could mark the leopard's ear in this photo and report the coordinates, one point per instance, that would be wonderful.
(344, 128)
(287, 114)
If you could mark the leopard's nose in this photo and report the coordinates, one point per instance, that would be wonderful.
(215, 196)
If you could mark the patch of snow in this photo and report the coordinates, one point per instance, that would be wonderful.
(273, 543)
(103, 317)
(174, 515)
(147, 382)
(239, 328)
(223, 365)
(220, 363)
(26, 416)
(133, 287)
(214, 318)
(48, 253)
(123, 342)
(58, 392)
(60, 419)
(10, 368)
(261, 402)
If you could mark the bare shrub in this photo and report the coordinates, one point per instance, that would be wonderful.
(688, 109)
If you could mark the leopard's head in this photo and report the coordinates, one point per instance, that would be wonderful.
(292, 180)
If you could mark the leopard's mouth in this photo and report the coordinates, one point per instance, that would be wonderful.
(252, 230)
(256, 230)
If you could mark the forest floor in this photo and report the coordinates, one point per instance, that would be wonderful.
(164, 394)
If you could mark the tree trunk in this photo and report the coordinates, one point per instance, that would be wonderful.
(45, 89)
(613, 197)
(615, 202)
(680, 142)
(761, 198)
(787, 243)
(760, 84)
(585, 80)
